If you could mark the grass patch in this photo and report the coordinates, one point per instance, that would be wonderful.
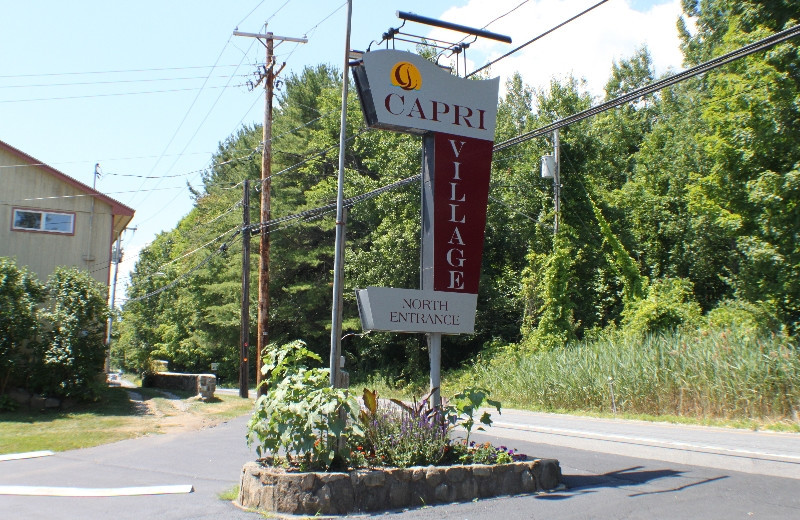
(230, 495)
(87, 424)
(113, 418)
(721, 378)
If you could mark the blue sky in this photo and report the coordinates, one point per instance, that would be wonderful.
(129, 85)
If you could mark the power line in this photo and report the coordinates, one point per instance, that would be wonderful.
(223, 248)
(89, 96)
(277, 11)
(54, 197)
(228, 211)
(258, 226)
(509, 53)
(250, 13)
(314, 155)
(123, 71)
(505, 14)
(484, 27)
(186, 115)
(310, 31)
(185, 174)
(114, 82)
(752, 48)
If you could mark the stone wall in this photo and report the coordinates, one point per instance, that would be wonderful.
(274, 489)
(203, 384)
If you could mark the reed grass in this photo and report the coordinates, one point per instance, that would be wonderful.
(722, 374)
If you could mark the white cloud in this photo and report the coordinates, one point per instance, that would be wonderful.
(586, 47)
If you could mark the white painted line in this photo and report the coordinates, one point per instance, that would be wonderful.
(42, 491)
(645, 441)
(28, 455)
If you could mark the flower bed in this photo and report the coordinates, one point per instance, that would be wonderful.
(270, 488)
(340, 455)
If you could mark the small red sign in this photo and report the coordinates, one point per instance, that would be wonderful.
(461, 192)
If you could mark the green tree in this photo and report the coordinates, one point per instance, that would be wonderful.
(71, 354)
(20, 293)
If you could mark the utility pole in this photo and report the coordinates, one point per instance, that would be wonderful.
(244, 366)
(556, 181)
(267, 76)
(89, 257)
(116, 257)
(116, 252)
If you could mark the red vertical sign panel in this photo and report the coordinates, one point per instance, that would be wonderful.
(461, 192)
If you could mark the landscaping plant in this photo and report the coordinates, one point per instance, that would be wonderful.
(299, 414)
(303, 423)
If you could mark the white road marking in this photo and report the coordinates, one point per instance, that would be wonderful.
(28, 455)
(642, 440)
(44, 491)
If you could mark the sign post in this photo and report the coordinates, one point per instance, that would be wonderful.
(404, 92)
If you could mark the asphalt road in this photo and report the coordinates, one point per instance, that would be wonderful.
(612, 469)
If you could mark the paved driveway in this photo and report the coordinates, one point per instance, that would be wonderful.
(602, 483)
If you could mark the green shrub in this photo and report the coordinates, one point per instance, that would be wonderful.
(20, 293)
(302, 422)
(70, 357)
(755, 318)
(668, 306)
(299, 414)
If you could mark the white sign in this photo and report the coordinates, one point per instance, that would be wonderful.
(405, 92)
(411, 310)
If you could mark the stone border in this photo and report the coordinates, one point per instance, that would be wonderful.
(203, 384)
(274, 489)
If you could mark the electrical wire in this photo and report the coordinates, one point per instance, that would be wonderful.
(195, 250)
(462, 40)
(186, 115)
(304, 216)
(228, 211)
(223, 248)
(55, 197)
(125, 71)
(258, 226)
(314, 28)
(250, 13)
(313, 155)
(89, 96)
(655, 86)
(562, 24)
(84, 83)
(277, 11)
(310, 31)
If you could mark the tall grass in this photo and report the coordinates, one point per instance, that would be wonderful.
(708, 374)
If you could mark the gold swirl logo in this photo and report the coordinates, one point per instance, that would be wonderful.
(406, 76)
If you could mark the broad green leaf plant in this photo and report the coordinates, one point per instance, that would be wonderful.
(466, 403)
(299, 416)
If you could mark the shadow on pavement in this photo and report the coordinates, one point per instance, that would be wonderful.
(633, 476)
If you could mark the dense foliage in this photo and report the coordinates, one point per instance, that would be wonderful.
(302, 422)
(683, 204)
(52, 336)
(20, 293)
(300, 415)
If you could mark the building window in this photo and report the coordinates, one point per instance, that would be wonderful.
(43, 221)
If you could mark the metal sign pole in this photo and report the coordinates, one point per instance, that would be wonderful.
(336, 313)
